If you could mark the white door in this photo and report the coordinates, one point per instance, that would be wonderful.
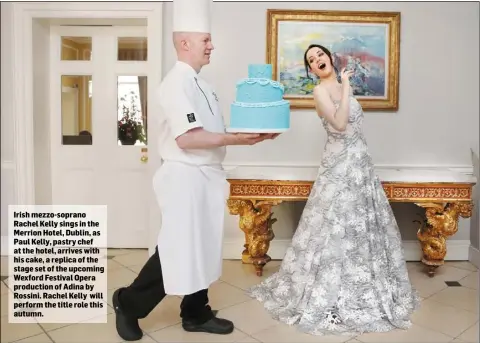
(99, 140)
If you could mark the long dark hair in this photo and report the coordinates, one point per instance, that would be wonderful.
(325, 50)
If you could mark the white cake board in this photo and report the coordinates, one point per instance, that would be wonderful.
(243, 130)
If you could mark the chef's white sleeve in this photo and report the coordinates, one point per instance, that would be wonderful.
(180, 112)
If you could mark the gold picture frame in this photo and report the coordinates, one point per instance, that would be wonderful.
(377, 89)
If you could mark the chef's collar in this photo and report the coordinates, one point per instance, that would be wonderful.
(187, 67)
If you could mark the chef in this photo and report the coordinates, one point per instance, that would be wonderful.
(190, 187)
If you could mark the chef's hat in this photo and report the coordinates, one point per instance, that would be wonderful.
(191, 15)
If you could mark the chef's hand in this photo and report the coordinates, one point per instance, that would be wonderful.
(273, 135)
(246, 138)
(269, 135)
(266, 136)
(249, 138)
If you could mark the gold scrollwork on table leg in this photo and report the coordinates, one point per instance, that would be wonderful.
(256, 222)
(441, 222)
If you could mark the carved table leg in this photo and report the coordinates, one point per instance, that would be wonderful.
(245, 253)
(441, 222)
(256, 222)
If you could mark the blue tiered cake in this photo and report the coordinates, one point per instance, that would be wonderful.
(259, 106)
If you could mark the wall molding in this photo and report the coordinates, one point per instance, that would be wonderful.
(457, 250)
(8, 165)
(4, 246)
(474, 256)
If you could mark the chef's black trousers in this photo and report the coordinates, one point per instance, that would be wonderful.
(147, 291)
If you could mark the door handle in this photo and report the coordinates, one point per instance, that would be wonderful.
(144, 158)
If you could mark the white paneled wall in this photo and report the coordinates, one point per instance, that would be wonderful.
(7, 123)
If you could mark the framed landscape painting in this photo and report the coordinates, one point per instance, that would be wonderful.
(368, 41)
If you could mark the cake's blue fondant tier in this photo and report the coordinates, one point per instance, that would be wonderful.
(260, 71)
(259, 90)
(260, 116)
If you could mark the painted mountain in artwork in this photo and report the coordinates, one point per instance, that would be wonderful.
(369, 69)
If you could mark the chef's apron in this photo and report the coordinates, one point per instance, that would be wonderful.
(192, 200)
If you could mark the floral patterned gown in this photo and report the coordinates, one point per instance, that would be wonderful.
(344, 272)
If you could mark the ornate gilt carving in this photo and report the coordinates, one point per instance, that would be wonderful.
(256, 222)
(441, 222)
(395, 191)
(284, 190)
(252, 200)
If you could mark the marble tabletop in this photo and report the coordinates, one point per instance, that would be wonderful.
(407, 175)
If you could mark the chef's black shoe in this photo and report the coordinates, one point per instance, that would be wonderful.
(127, 327)
(215, 325)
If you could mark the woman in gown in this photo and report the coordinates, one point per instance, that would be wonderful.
(344, 272)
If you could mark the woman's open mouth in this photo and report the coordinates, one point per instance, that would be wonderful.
(322, 66)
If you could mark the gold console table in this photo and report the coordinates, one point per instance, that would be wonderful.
(444, 202)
